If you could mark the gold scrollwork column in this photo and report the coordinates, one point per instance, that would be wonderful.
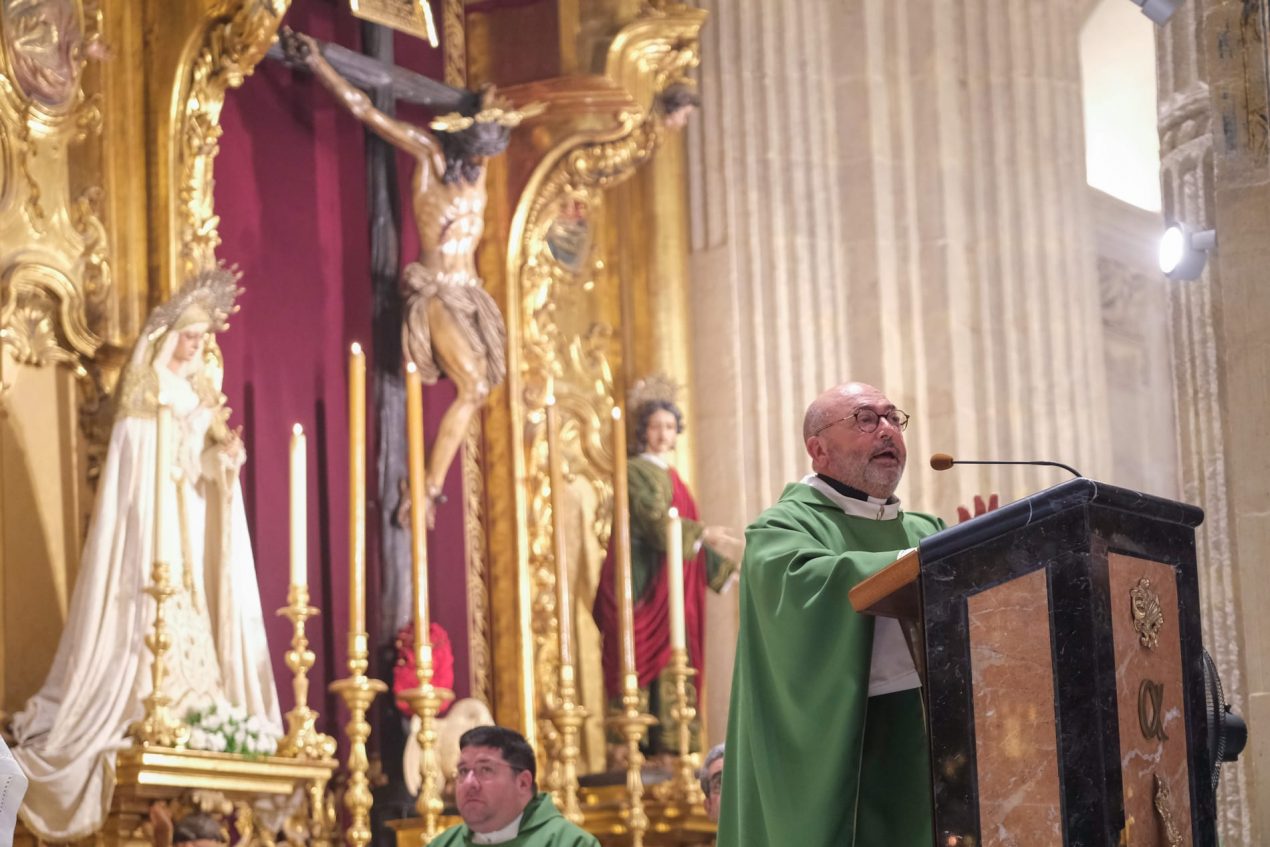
(53, 259)
(563, 308)
(221, 57)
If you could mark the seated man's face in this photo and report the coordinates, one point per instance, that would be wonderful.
(488, 791)
(714, 778)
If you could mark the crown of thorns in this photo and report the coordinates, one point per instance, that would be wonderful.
(495, 109)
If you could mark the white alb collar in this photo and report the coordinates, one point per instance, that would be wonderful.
(874, 508)
(656, 460)
(499, 836)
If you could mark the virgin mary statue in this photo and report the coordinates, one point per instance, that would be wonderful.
(70, 732)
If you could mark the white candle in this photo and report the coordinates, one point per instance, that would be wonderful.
(162, 478)
(675, 571)
(299, 495)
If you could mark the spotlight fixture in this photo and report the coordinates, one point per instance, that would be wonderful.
(1158, 11)
(1183, 253)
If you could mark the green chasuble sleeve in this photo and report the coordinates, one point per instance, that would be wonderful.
(541, 825)
(650, 495)
(797, 756)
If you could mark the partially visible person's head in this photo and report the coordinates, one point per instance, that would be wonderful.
(836, 434)
(711, 776)
(496, 777)
(199, 830)
(657, 426)
(678, 102)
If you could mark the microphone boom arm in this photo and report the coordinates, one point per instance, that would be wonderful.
(1067, 468)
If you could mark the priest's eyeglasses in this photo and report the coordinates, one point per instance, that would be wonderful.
(483, 771)
(868, 420)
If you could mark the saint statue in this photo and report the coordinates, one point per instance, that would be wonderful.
(452, 325)
(70, 731)
(710, 558)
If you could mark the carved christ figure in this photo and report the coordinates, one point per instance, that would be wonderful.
(451, 324)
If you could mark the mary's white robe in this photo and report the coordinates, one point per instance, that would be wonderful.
(69, 733)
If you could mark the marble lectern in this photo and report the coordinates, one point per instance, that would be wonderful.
(1059, 643)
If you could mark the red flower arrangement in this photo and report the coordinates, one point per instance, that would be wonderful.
(404, 672)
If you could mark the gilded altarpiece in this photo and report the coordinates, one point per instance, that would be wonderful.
(91, 207)
(56, 303)
(563, 285)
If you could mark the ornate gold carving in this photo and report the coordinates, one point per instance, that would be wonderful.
(42, 39)
(1148, 616)
(454, 31)
(655, 52)
(43, 110)
(413, 17)
(1164, 808)
(563, 334)
(230, 50)
(94, 259)
(41, 319)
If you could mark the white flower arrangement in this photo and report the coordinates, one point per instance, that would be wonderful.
(222, 728)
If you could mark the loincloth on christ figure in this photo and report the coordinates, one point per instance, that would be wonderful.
(473, 309)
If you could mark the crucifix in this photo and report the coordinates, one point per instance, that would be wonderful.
(385, 84)
(435, 313)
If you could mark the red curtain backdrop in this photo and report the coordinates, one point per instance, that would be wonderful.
(291, 196)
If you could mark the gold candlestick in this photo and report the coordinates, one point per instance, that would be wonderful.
(358, 691)
(159, 728)
(568, 716)
(684, 712)
(425, 701)
(566, 713)
(632, 723)
(302, 740)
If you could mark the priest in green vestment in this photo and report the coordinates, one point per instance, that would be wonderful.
(496, 790)
(826, 739)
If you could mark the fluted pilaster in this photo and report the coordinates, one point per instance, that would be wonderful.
(1204, 401)
(893, 192)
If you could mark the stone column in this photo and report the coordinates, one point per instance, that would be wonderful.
(1214, 174)
(892, 192)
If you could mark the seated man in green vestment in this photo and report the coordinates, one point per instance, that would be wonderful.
(497, 793)
(826, 744)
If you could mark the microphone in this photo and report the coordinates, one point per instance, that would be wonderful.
(942, 462)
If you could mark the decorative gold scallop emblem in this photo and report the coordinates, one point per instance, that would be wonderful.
(1148, 616)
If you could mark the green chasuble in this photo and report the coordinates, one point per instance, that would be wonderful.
(541, 826)
(811, 759)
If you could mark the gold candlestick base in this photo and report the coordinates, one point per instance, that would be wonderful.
(302, 740)
(633, 726)
(568, 716)
(159, 728)
(685, 784)
(426, 701)
(358, 691)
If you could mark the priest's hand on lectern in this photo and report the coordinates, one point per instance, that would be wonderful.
(963, 513)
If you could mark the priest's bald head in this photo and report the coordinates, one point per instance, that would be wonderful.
(855, 435)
